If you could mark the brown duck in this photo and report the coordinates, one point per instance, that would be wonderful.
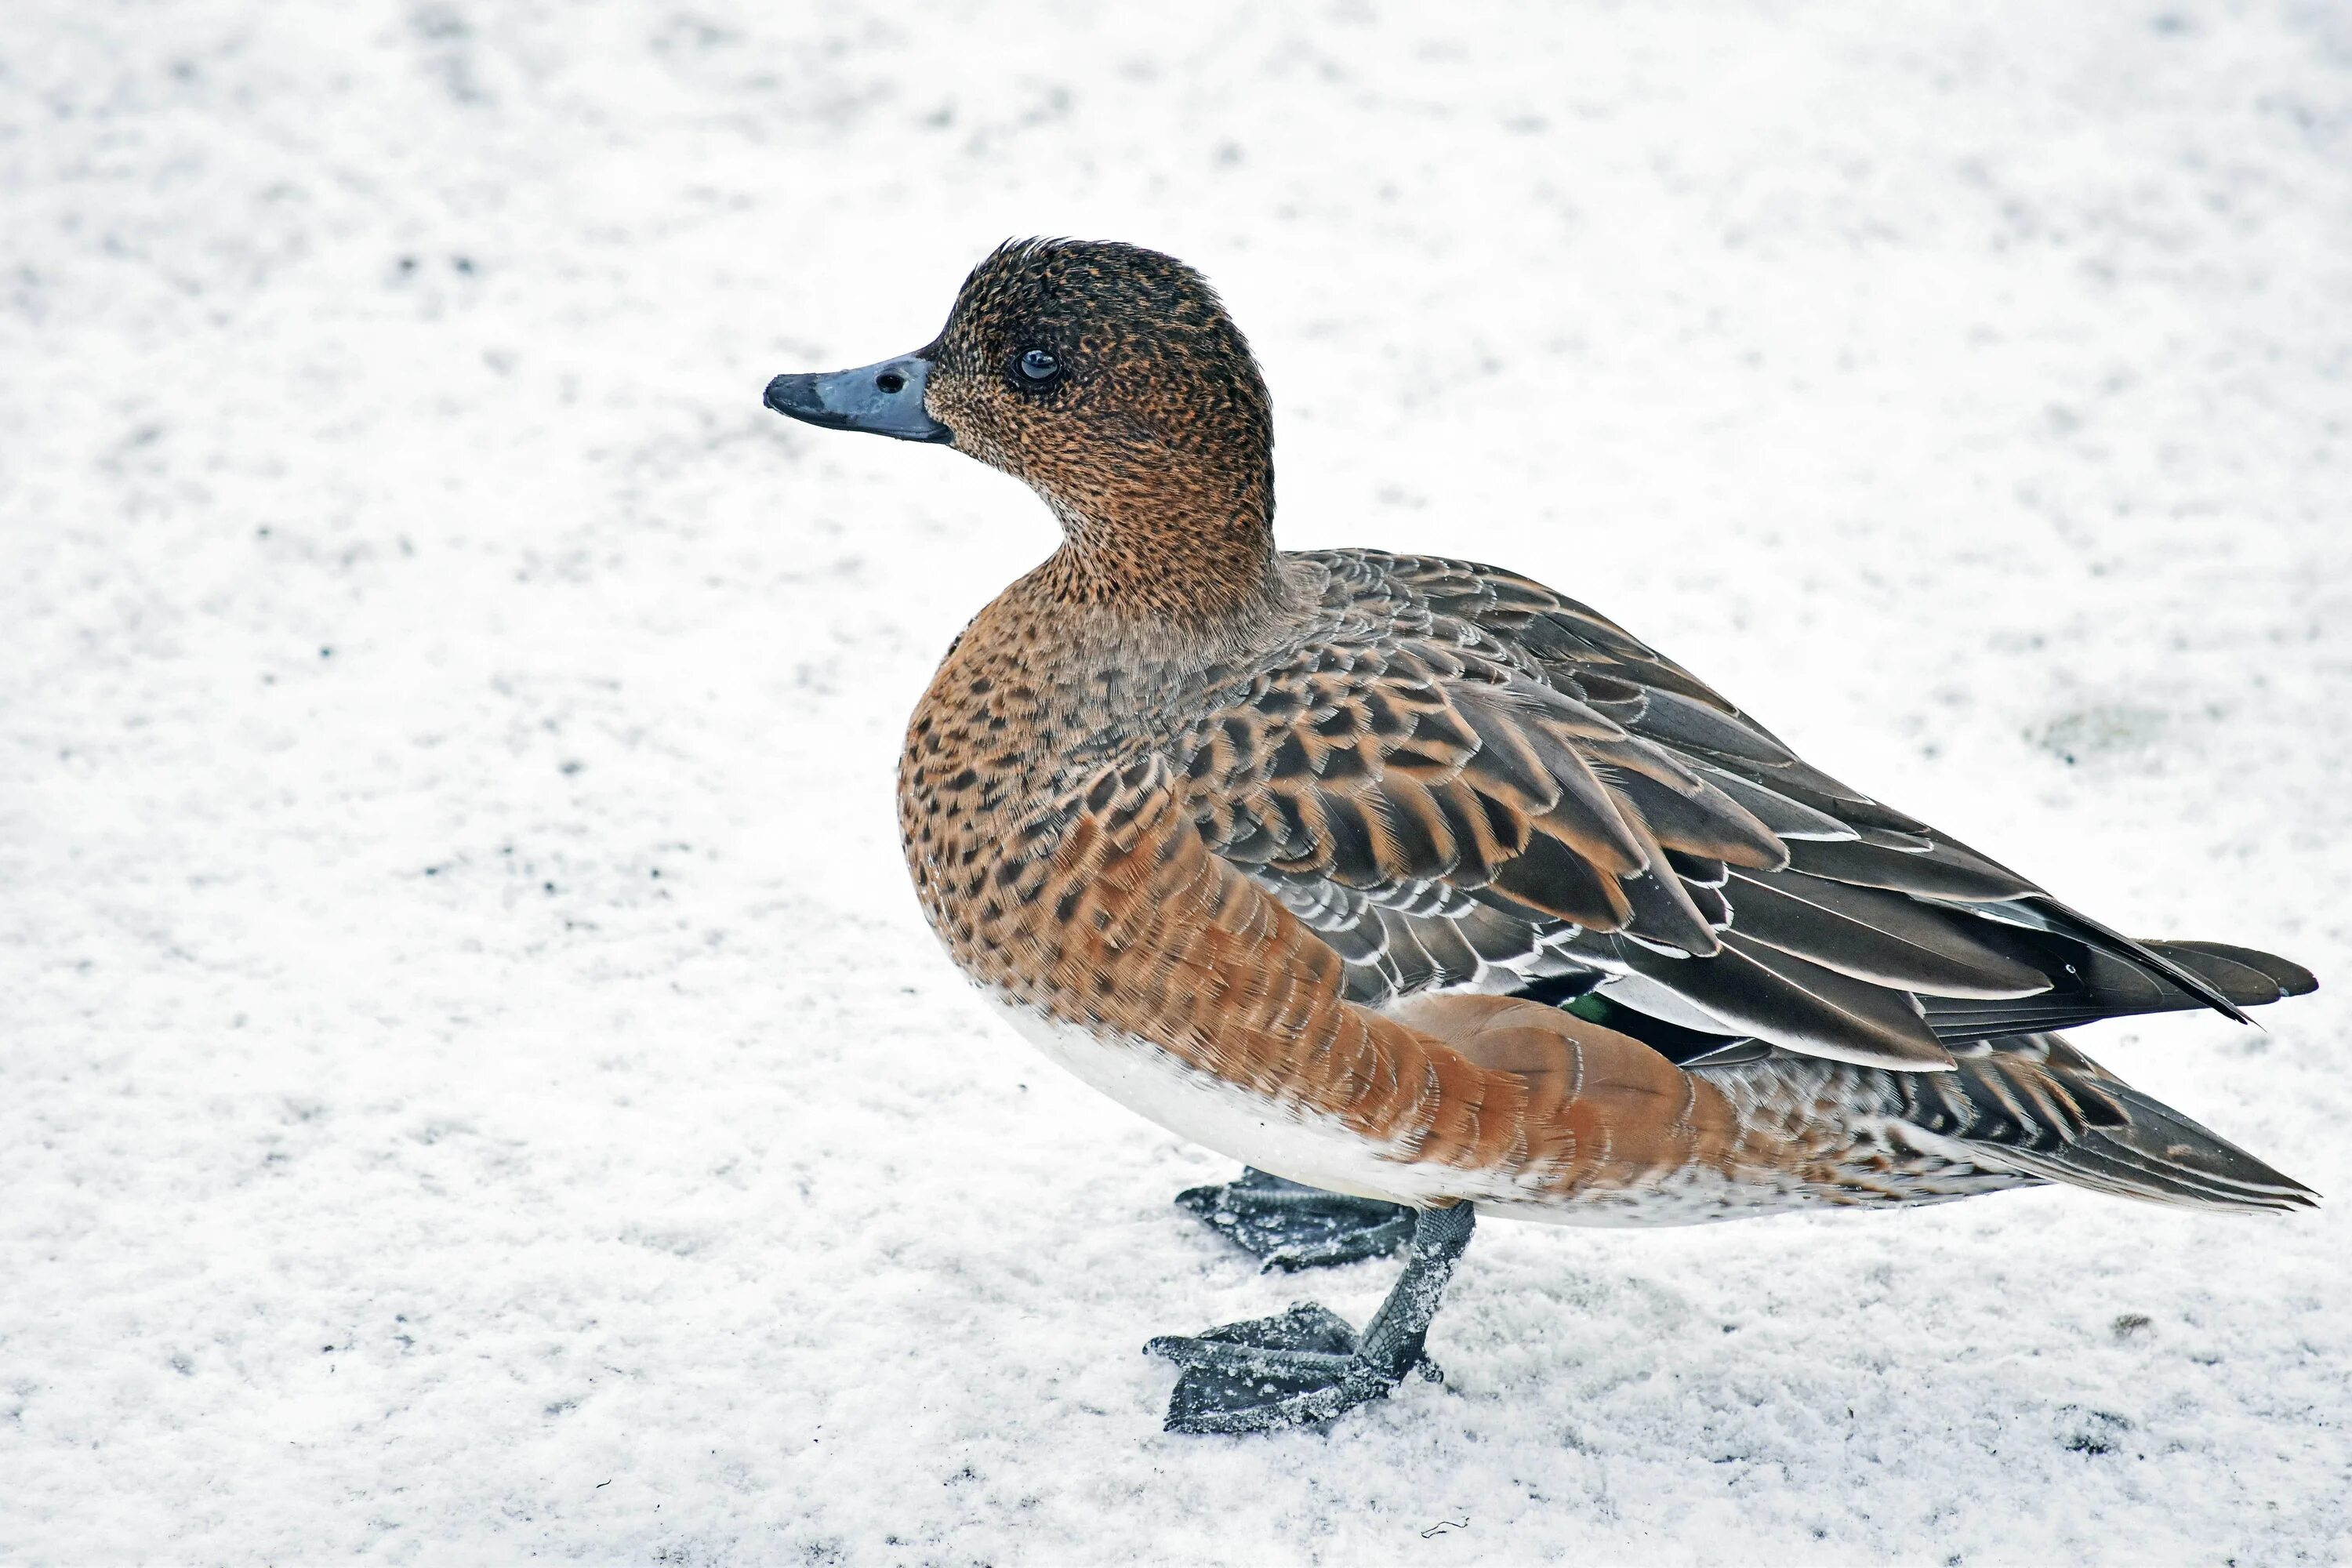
(1426, 890)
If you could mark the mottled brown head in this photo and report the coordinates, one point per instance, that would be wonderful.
(1110, 379)
(1091, 369)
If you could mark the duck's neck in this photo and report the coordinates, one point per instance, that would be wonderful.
(1196, 564)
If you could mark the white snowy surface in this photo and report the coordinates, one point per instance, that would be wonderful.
(474, 1083)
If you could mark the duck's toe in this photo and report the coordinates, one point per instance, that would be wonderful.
(1295, 1369)
(1288, 1225)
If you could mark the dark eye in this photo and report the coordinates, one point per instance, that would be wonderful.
(1038, 364)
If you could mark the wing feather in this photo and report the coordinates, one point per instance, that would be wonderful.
(1463, 780)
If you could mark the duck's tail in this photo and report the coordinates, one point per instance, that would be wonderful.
(2044, 1109)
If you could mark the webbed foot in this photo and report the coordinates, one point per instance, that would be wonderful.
(1293, 1370)
(1306, 1365)
(1288, 1225)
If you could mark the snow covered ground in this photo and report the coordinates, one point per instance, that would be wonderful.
(474, 1083)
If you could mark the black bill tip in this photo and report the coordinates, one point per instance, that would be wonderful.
(795, 395)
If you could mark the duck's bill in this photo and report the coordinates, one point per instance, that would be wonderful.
(884, 399)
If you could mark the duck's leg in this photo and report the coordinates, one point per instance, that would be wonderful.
(1306, 1365)
(1288, 1225)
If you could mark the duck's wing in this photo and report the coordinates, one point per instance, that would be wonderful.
(1464, 781)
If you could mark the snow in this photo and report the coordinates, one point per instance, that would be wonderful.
(475, 1083)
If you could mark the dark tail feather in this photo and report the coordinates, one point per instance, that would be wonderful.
(2040, 1106)
(2161, 1156)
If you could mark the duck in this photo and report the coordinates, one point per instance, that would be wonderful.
(1428, 892)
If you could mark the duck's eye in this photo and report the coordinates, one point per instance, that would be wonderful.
(1038, 364)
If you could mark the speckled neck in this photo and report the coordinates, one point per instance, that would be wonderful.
(1196, 558)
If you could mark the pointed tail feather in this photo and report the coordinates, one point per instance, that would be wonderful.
(2044, 1109)
(2160, 1155)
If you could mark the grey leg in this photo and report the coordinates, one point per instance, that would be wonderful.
(1306, 1366)
(1292, 1227)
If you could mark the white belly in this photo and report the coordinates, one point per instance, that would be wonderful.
(1303, 1145)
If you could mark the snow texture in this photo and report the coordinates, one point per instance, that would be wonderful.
(475, 1084)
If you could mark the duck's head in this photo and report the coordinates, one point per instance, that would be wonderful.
(1108, 378)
